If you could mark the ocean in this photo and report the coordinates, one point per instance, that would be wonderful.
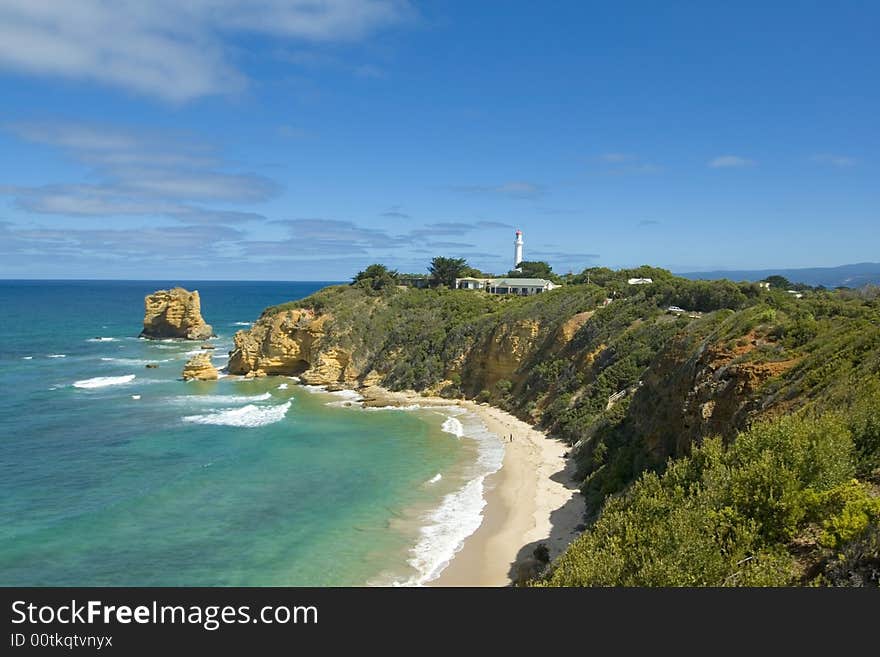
(119, 475)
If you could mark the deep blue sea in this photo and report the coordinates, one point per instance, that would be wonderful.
(115, 474)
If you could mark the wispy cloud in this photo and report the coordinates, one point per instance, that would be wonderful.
(170, 49)
(627, 163)
(147, 243)
(648, 222)
(138, 174)
(730, 162)
(514, 189)
(830, 159)
(490, 225)
(395, 212)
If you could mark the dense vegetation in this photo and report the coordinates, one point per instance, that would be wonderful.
(739, 516)
(725, 434)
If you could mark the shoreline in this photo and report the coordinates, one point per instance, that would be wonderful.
(531, 499)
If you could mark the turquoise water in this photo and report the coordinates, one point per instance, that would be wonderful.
(114, 474)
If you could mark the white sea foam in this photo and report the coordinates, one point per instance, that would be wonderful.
(57, 356)
(27, 357)
(246, 416)
(135, 397)
(453, 425)
(104, 381)
(408, 407)
(433, 480)
(461, 512)
(242, 323)
(282, 386)
(351, 395)
(221, 399)
(136, 361)
(102, 340)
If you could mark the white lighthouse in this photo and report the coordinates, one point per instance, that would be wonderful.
(517, 249)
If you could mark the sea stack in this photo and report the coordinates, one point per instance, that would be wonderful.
(200, 368)
(174, 313)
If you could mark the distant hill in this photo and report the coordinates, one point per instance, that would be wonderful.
(855, 275)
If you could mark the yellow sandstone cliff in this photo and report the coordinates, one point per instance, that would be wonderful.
(174, 313)
(292, 343)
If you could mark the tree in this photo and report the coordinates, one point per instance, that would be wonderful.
(532, 269)
(444, 271)
(779, 282)
(376, 277)
(473, 272)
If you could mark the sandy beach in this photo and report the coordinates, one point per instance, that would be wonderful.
(532, 499)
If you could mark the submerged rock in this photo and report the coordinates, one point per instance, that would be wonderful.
(200, 368)
(175, 313)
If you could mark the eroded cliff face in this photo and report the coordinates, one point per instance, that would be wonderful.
(174, 313)
(301, 342)
(501, 356)
(293, 343)
(694, 390)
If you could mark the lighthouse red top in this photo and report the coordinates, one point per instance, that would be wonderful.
(518, 231)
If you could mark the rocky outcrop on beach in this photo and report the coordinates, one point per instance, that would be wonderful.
(291, 342)
(200, 368)
(174, 313)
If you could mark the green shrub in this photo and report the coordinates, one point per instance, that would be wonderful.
(719, 517)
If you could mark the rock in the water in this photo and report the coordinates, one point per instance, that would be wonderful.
(200, 368)
(208, 346)
(175, 313)
(151, 366)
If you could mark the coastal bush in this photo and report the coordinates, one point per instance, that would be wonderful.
(720, 517)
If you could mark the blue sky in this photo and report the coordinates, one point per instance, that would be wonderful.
(300, 139)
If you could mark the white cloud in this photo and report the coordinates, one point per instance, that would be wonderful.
(627, 163)
(730, 162)
(167, 48)
(138, 174)
(834, 160)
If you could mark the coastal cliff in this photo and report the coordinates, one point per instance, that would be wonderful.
(174, 313)
(629, 384)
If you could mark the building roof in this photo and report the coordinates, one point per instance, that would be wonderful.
(518, 282)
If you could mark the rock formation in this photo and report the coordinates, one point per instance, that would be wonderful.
(292, 343)
(174, 313)
(200, 368)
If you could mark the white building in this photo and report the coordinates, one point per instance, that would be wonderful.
(640, 281)
(517, 249)
(520, 286)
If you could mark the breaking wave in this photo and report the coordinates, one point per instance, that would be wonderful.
(221, 399)
(246, 416)
(104, 381)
